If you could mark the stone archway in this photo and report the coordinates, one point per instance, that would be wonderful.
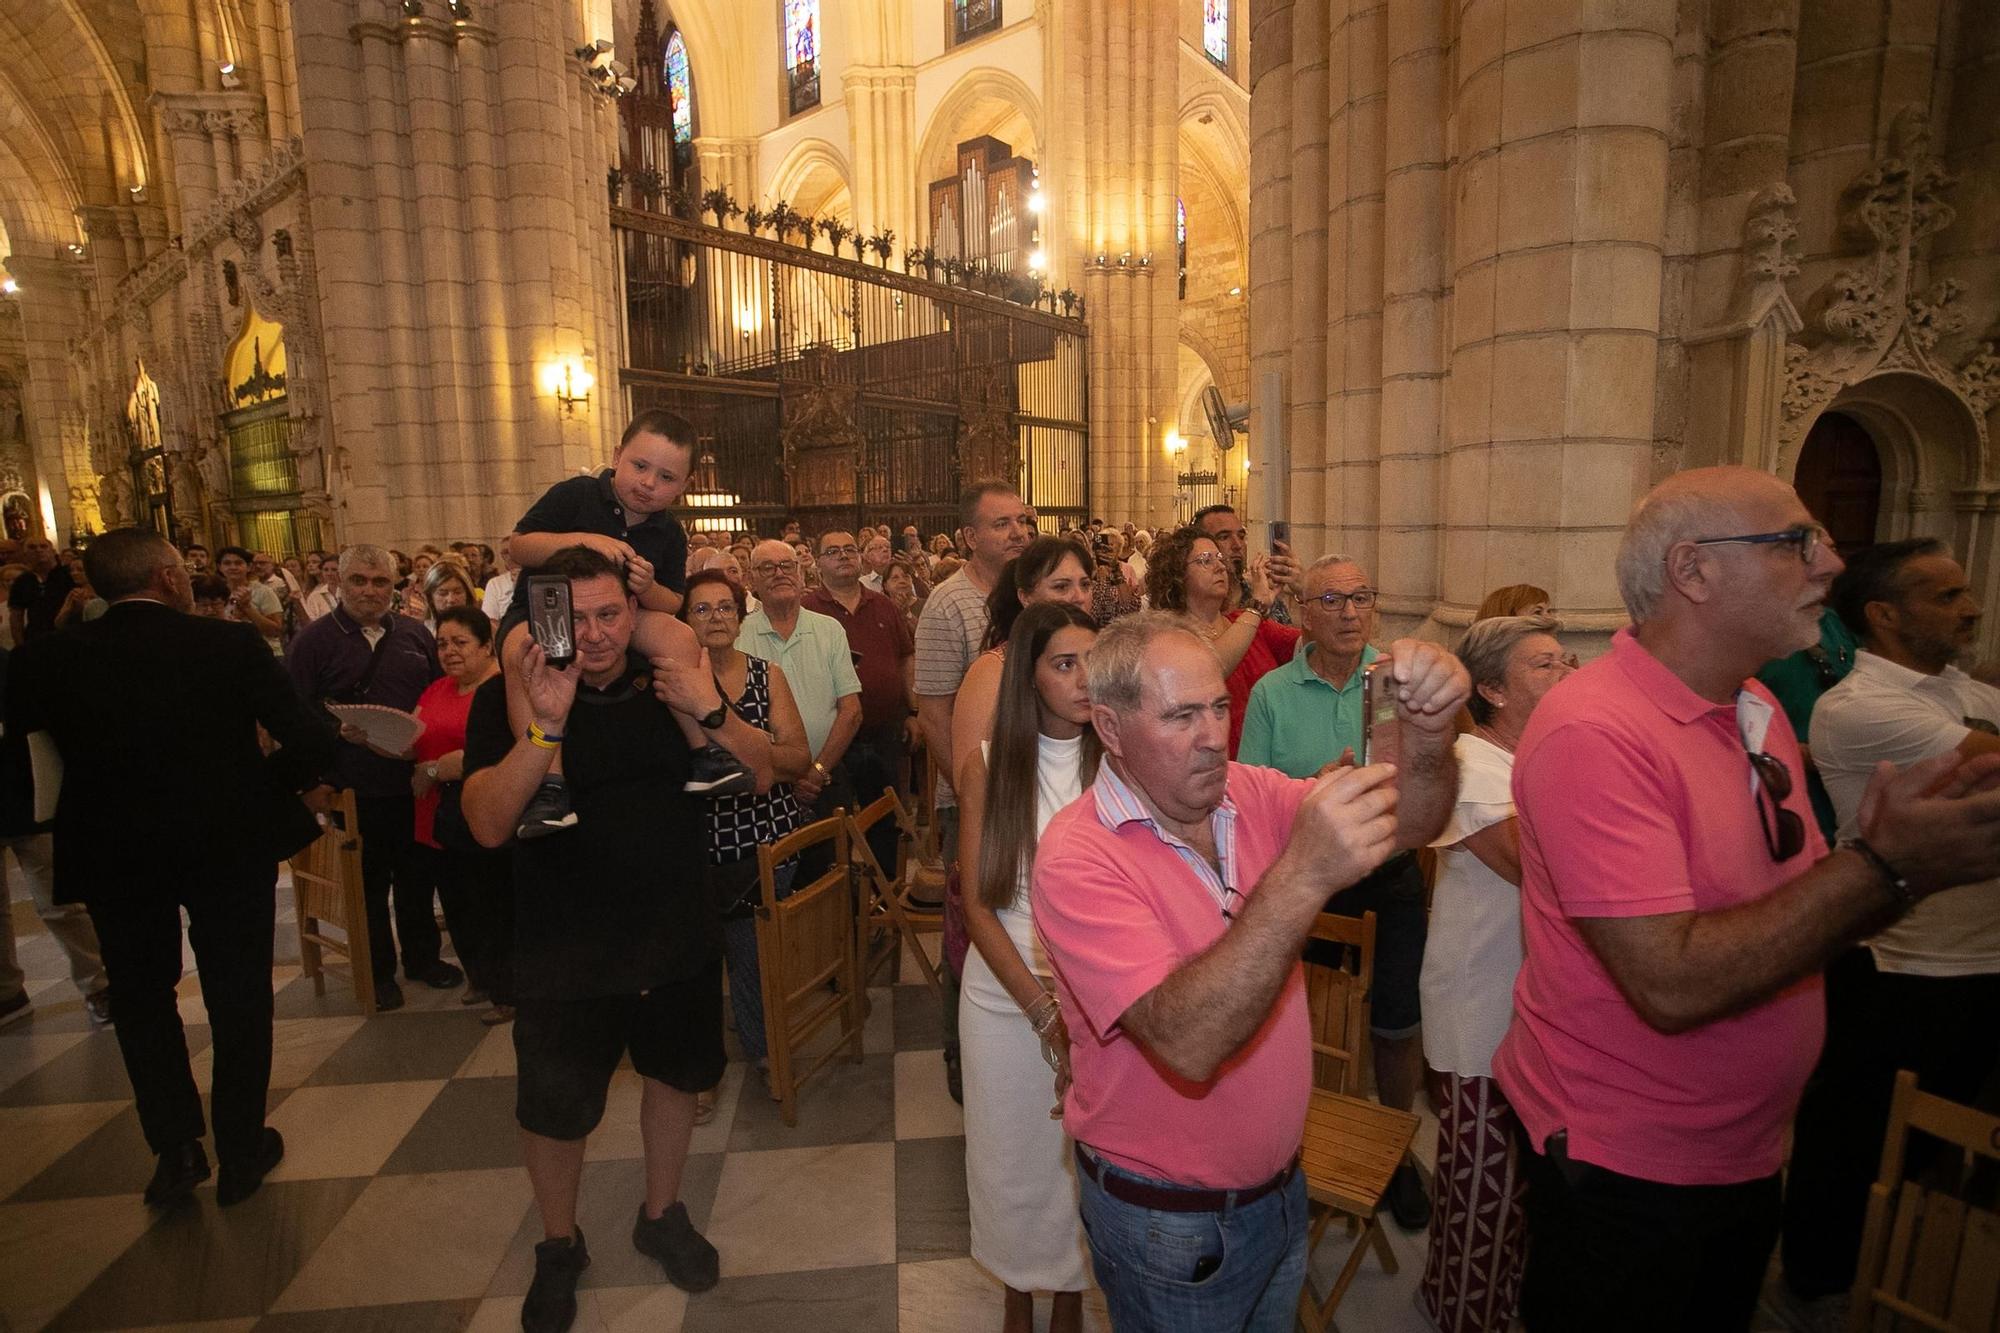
(1839, 478)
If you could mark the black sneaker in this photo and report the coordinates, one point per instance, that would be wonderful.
(437, 974)
(716, 772)
(98, 1006)
(388, 995)
(691, 1263)
(551, 1303)
(548, 811)
(1409, 1202)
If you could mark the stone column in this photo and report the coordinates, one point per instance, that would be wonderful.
(1307, 258)
(1271, 127)
(728, 164)
(1413, 308)
(1562, 119)
(195, 181)
(52, 315)
(882, 143)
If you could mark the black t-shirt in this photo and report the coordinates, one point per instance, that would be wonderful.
(617, 904)
(41, 598)
(588, 504)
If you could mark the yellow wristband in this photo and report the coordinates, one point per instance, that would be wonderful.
(536, 736)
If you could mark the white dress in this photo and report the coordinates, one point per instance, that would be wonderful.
(1020, 1175)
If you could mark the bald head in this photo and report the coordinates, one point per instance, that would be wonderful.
(775, 576)
(1689, 506)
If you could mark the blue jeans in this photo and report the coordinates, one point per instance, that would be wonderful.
(746, 986)
(1147, 1261)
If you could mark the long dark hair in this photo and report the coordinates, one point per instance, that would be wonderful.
(1017, 581)
(1007, 830)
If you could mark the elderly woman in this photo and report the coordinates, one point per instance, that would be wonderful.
(712, 606)
(1190, 574)
(1472, 1275)
(474, 883)
(446, 584)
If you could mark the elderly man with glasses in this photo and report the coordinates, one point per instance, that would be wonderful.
(1305, 718)
(812, 649)
(1678, 907)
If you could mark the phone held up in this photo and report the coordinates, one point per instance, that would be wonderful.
(1379, 728)
(1281, 531)
(549, 618)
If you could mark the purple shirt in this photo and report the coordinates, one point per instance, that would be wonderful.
(327, 661)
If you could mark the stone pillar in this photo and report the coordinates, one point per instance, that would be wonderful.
(728, 164)
(1271, 126)
(1561, 209)
(1307, 258)
(882, 143)
(52, 314)
(195, 182)
(1413, 308)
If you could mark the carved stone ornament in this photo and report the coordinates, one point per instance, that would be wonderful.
(822, 443)
(1876, 316)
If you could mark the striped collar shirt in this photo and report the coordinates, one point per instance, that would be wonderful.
(1118, 805)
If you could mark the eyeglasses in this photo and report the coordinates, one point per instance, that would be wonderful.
(1806, 536)
(840, 550)
(1205, 559)
(769, 567)
(1788, 838)
(1363, 599)
(709, 610)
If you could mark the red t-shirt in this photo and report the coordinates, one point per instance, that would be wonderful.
(1272, 647)
(444, 711)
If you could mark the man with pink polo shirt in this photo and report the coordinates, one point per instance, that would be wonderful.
(1174, 897)
(1678, 905)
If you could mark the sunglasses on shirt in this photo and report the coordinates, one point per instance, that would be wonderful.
(1774, 786)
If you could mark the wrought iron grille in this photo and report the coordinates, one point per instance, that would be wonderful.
(831, 390)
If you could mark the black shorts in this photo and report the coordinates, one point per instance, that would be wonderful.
(1395, 894)
(567, 1050)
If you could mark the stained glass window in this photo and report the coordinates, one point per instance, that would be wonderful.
(1215, 30)
(680, 92)
(1180, 244)
(972, 18)
(802, 53)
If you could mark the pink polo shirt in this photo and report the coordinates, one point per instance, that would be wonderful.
(1118, 910)
(1635, 799)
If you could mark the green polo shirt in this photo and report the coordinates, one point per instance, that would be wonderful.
(816, 662)
(1296, 722)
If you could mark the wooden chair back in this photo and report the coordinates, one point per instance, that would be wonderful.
(327, 889)
(806, 960)
(1337, 999)
(1929, 1259)
(881, 923)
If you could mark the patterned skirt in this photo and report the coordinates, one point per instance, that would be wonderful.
(1472, 1274)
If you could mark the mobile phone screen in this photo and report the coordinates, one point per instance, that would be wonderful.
(549, 618)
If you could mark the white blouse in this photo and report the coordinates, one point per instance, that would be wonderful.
(1474, 950)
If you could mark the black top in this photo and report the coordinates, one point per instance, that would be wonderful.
(17, 796)
(328, 661)
(617, 904)
(164, 783)
(588, 504)
(41, 598)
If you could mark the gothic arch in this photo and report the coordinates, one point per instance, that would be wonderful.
(984, 101)
(1929, 442)
(1215, 143)
(814, 179)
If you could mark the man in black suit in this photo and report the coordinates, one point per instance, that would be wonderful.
(168, 801)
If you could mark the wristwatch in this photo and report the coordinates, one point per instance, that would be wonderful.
(710, 721)
(431, 772)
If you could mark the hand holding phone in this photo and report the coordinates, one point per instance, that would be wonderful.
(1380, 732)
(549, 618)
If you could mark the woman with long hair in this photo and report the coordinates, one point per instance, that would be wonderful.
(1020, 1180)
(1050, 569)
(1188, 573)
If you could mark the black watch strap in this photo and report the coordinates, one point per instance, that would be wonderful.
(710, 721)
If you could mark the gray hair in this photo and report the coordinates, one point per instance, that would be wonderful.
(1486, 648)
(447, 567)
(1119, 655)
(1659, 521)
(1327, 562)
(364, 555)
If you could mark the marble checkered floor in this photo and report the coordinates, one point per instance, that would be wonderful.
(401, 1203)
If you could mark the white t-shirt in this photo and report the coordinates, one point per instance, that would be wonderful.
(499, 593)
(1474, 950)
(1886, 711)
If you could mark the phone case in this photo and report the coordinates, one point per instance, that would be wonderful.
(549, 618)
(1378, 716)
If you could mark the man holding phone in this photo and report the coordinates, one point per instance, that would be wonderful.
(1305, 718)
(616, 945)
(1222, 525)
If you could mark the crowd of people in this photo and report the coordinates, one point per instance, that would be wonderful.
(1663, 935)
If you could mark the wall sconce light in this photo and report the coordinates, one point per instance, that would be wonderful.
(1176, 444)
(1037, 261)
(10, 287)
(230, 78)
(570, 383)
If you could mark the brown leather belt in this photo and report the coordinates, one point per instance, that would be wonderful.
(1171, 1199)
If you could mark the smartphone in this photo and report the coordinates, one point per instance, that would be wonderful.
(549, 618)
(1281, 531)
(1378, 716)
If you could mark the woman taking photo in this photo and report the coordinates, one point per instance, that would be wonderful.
(474, 883)
(1188, 573)
(712, 606)
(1051, 569)
(1472, 1275)
(1020, 1179)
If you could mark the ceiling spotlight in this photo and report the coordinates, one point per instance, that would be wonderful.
(230, 79)
(1236, 291)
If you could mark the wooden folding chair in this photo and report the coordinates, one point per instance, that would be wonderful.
(327, 888)
(1352, 1146)
(803, 943)
(882, 925)
(1929, 1259)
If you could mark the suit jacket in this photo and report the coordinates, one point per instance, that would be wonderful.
(155, 713)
